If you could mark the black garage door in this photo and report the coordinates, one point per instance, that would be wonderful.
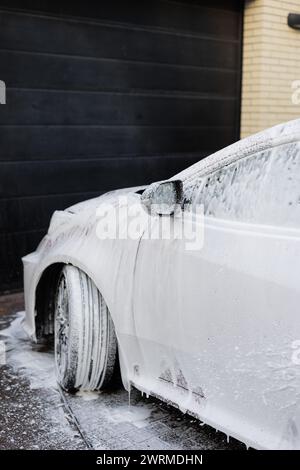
(103, 95)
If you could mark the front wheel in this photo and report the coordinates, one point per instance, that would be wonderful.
(84, 337)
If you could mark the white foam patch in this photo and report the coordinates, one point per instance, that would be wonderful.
(136, 415)
(87, 395)
(37, 367)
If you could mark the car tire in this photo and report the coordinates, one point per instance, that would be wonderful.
(85, 342)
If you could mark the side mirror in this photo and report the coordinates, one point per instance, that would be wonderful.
(162, 198)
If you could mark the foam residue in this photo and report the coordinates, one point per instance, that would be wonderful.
(36, 366)
(136, 415)
(88, 395)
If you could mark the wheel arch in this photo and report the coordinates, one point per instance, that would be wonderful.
(44, 301)
(44, 294)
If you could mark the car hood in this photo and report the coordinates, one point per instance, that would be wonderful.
(83, 213)
(94, 202)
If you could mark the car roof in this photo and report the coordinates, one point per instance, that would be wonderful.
(272, 137)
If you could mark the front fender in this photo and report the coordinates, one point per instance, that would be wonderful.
(110, 263)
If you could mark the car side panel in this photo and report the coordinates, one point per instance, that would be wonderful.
(219, 329)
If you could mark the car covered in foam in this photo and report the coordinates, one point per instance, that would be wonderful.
(213, 330)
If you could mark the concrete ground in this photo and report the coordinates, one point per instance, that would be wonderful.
(35, 414)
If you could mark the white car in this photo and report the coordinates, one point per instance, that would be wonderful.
(214, 330)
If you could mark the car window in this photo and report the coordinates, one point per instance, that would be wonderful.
(263, 188)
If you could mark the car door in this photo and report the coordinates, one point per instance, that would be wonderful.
(222, 322)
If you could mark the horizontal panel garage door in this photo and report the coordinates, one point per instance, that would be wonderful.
(102, 95)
